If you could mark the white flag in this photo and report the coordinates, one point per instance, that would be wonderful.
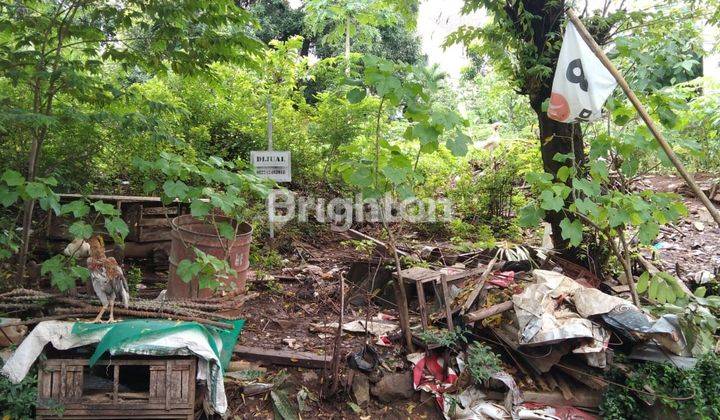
(582, 84)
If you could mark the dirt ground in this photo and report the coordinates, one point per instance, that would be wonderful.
(692, 245)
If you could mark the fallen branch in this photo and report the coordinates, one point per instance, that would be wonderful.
(488, 312)
(144, 314)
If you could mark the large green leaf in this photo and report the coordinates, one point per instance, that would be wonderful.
(106, 209)
(356, 95)
(117, 228)
(549, 201)
(35, 190)
(13, 178)
(530, 216)
(572, 231)
(80, 229)
(590, 188)
(458, 144)
(647, 232)
(8, 196)
(78, 208)
(188, 269)
(175, 189)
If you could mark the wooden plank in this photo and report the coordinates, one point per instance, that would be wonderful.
(565, 388)
(488, 312)
(155, 222)
(160, 210)
(478, 287)
(582, 398)
(425, 275)
(126, 198)
(153, 235)
(422, 304)
(116, 383)
(283, 357)
(446, 300)
(168, 383)
(78, 383)
(55, 393)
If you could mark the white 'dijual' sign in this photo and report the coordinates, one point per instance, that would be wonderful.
(272, 165)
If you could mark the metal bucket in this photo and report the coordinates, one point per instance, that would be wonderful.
(188, 233)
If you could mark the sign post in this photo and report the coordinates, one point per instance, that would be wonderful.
(271, 164)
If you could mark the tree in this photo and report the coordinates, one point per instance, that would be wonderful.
(395, 42)
(342, 20)
(57, 49)
(523, 41)
(277, 20)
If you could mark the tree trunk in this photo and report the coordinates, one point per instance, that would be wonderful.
(557, 137)
(28, 207)
(347, 46)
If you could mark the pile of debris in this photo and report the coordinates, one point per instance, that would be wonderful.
(557, 330)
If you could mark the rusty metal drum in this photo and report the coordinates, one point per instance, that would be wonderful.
(189, 233)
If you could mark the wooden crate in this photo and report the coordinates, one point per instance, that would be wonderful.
(65, 390)
(147, 218)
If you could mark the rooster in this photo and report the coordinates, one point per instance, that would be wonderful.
(107, 278)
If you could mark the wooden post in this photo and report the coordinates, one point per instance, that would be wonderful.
(446, 301)
(643, 114)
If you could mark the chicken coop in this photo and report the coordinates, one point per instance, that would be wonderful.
(121, 388)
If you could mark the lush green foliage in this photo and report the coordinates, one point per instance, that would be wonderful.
(691, 394)
(17, 401)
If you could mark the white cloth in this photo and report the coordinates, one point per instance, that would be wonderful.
(582, 84)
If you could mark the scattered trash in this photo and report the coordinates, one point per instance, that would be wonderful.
(366, 360)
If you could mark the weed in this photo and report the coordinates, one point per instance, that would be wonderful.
(17, 401)
(134, 277)
(445, 338)
(482, 363)
(365, 247)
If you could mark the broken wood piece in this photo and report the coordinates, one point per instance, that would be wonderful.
(422, 304)
(283, 357)
(565, 388)
(582, 398)
(488, 312)
(478, 287)
(446, 299)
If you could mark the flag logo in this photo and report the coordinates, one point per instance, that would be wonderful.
(581, 84)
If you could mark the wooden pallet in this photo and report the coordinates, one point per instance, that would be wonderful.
(170, 395)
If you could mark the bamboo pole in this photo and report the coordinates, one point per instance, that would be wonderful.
(644, 115)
